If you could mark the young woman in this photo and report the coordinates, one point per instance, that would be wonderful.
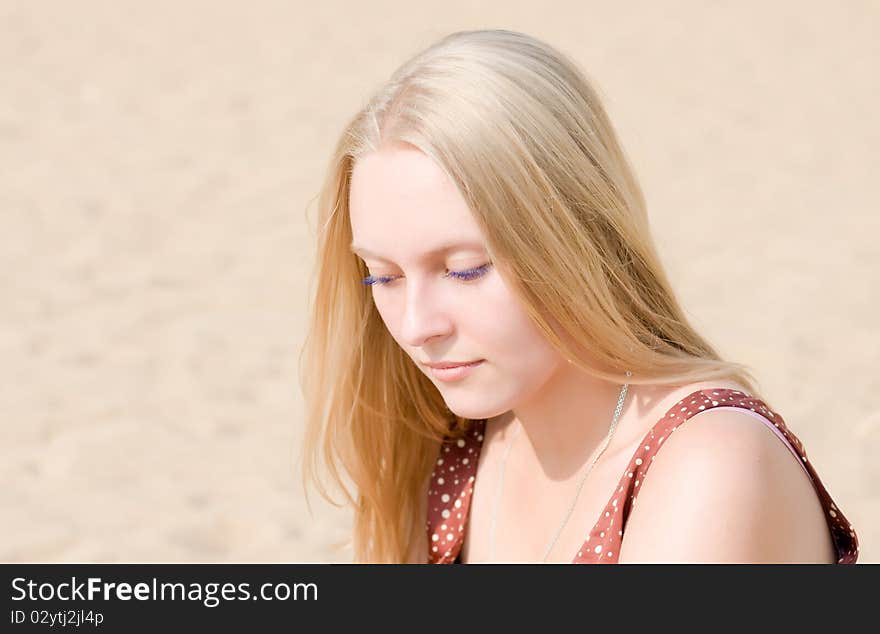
(496, 359)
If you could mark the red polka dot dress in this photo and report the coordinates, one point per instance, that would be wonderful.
(452, 483)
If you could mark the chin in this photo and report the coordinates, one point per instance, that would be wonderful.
(477, 411)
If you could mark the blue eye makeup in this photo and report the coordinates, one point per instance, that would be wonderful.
(469, 274)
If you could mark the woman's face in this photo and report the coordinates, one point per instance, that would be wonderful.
(443, 304)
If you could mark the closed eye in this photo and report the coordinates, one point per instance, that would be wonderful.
(467, 275)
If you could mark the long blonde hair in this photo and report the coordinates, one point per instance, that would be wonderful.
(521, 132)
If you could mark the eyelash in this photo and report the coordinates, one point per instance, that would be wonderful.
(468, 275)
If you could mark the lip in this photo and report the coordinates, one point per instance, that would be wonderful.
(453, 372)
(450, 364)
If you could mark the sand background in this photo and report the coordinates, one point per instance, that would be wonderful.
(158, 168)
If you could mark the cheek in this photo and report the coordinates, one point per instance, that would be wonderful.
(522, 346)
(389, 313)
(516, 341)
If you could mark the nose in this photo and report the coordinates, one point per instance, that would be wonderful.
(425, 315)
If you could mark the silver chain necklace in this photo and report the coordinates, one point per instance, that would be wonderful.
(552, 543)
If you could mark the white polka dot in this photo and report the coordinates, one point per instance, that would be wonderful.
(832, 513)
(442, 527)
(614, 502)
(445, 497)
(606, 513)
(598, 549)
(440, 461)
(637, 483)
(480, 437)
(601, 534)
(638, 461)
(460, 442)
(609, 553)
(630, 474)
(458, 504)
(434, 548)
(435, 537)
(450, 537)
(440, 480)
(647, 448)
(445, 513)
(465, 461)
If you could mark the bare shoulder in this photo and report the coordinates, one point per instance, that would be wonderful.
(725, 488)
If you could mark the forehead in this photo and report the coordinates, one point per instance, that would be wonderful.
(401, 203)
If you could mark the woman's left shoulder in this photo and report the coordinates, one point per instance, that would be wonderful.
(725, 487)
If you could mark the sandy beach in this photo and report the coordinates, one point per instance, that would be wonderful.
(159, 164)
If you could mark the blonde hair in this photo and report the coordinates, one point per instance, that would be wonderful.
(521, 132)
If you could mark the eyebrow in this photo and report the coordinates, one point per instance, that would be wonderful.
(440, 250)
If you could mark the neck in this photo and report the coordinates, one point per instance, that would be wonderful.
(565, 423)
